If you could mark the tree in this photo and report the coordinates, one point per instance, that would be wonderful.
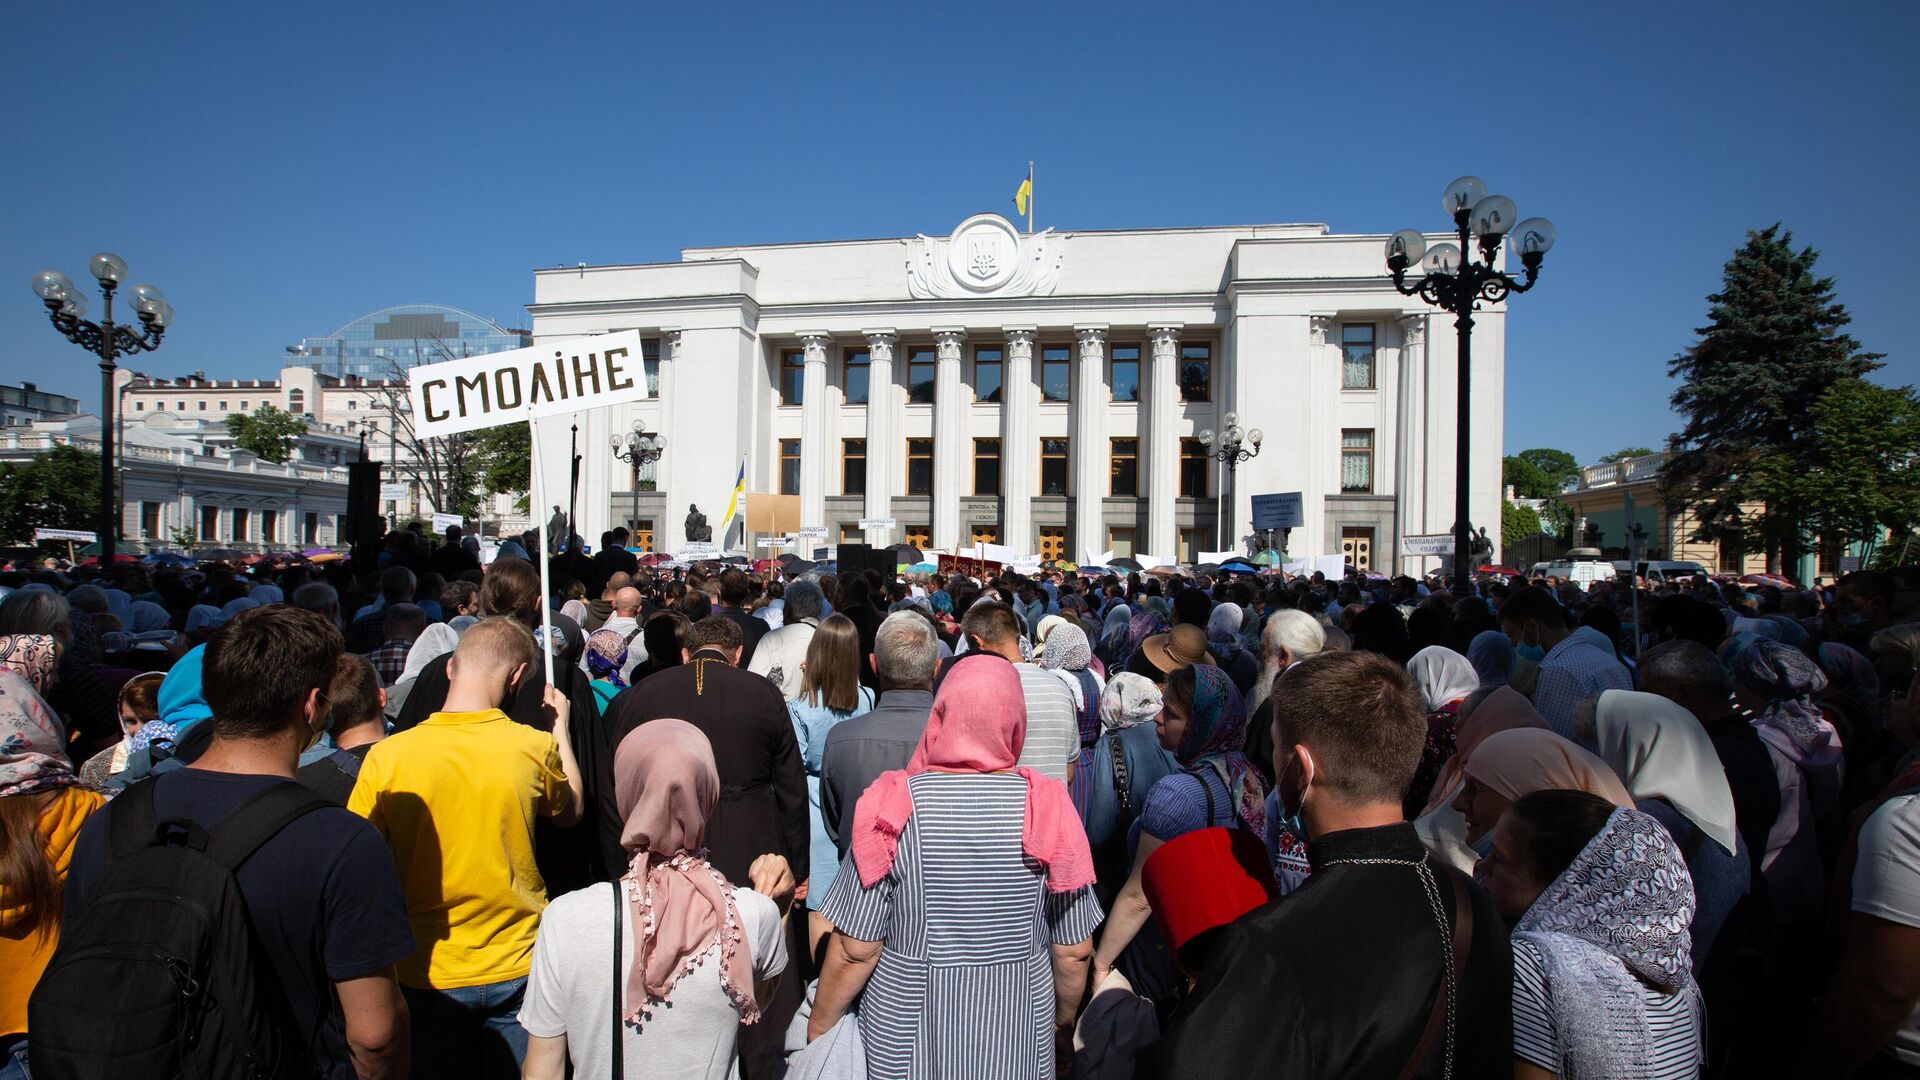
(445, 466)
(269, 432)
(1517, 523)
(1773, 344)
(505, 458)
(1856, 470)
(1629, 452)
(59, 489)
(1543, 474)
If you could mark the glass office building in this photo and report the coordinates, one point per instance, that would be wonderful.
(387, 342)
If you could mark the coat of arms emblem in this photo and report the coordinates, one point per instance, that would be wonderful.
(983, 256)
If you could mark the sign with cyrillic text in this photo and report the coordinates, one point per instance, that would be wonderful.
(79, 535)
(552, 377)
(1435, 544)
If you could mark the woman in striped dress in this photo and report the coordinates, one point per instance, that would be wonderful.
(964, 912)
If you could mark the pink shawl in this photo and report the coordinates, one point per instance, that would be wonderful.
(978, 725)
(666, 786)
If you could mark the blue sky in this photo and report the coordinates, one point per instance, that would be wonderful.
(279, 170)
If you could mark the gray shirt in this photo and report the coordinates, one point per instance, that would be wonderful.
(1053, 735)
(860, 748)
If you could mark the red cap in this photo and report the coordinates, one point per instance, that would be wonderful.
(1200, 881)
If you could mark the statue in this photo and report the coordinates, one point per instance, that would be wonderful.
(698, 531)
(556, 530)
(1481, 548)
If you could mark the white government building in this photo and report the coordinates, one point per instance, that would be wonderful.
(1038, 391)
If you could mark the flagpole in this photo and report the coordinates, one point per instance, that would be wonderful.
(1029, 198)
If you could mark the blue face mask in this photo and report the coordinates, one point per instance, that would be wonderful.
(1533, 652)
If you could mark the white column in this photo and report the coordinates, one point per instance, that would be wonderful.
(880, 441)
(1019, 449)
(1160, 441)
(813, 433)
(947, 437)
(1410, 472)
(1089, 446)
(670, 345)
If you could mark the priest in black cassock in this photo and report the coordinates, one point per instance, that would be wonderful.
(1346, 975)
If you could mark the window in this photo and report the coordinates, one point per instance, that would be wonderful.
(986, 374)
(1053, 466)
(853, 466)
(269, 526)
(986, 466)
(1124, 472)
(1196, 372)
(239, 523)
(1192, 543)
(919, 536)
(985, 534)
(920, 363)
(223, 406)
(139, 406)
(1194, 462)
(150, 520)
(209, 524)
(789, 466)
(1056, 373)
(1121, 542)
(352, 404)
(650, 365)
(793, 376)
(203, 404)
(310, 529)
(244, 405)
(857, 365)
(1053, 543)
(919, 466)
(1356, 356)
(851, 533)
(179, 406)
(296, 401)
(1356, 460)
(1123, 373)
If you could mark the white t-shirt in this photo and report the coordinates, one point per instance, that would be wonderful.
(570, 991)
(1886, 885)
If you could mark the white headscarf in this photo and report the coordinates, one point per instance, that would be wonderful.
(1443, 675)
(434, 642)
(1661, 752)
(1129, 699)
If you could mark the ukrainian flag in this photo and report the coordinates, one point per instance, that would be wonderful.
(739, 488)
(1023, 193)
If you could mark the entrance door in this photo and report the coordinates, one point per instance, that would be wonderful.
(1053, 543)
(642, 534)
(985, 534)
(1357, 546)
(916, 536)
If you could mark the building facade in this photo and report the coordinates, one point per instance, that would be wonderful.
(21, 405)
(1041, 391)
(388, 342)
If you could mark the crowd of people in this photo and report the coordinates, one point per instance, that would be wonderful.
(338, 820)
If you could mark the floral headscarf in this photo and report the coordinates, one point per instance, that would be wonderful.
(33, 744)
(1788, 680)
(1216, 730)
(34, 657)
(1617, 916)
(1129, 699)
(607, 656)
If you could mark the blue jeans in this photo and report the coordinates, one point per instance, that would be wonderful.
(13, 1060)
(470, 1031)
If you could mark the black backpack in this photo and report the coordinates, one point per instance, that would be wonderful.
(158, 974)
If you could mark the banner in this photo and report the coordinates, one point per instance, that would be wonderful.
(960, 564)
(1437, 544)
(443, 522)
(78, 535)
(563, 376)
(1278, 511)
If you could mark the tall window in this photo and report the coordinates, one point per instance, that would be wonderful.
(986, 373)
(986, 466)
(1356, 352)
(1120, 541)
(239, 523)
(859, 364)
(1196, 372)
(919, 466)
(310, 530)
(1123, 373)
(1056, 373)
(789, 466)
(920, 365)
(650, 365)
(1053, 466)
(150, 520)
(296, 401)
(793, 376)
(853, 466)
(269, 526)
(1125, 469)
(1356, 460)
(1194, 461)
(209, 524)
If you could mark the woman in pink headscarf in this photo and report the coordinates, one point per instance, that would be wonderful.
(965, 909)
(695, 951)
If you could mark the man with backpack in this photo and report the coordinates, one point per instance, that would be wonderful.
(221, 919)
(359, 721)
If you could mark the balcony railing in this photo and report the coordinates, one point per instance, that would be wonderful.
(41, 442)
(1634, 470)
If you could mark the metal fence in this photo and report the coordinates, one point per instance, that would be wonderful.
(1542, 548)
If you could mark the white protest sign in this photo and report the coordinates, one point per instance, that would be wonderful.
(1437, 544)
(812, 532)
(443, 522)
(1148, 562)
(80, 535)
(695, 551)
(1333, 566)
(1219, 556)
(1282, 510)
(393, 492)
(772, 541)
(876, 523)
(562, 376)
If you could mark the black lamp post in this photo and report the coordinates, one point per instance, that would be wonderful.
(638, 447)
(1458, 282)
(67, 306)
(1231, 446)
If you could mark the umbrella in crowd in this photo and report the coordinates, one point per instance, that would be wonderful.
(1126, 564)
(904, 554)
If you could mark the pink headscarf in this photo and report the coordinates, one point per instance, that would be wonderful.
(1503, 710)
(666, 786)
(34, 656)
(978, 725)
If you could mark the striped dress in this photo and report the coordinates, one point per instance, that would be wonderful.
(964, 987)
(1673, 1023)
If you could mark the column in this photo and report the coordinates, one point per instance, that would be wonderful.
(948, 439)
(1410, 472)
(1089, 447)
(1160, 440)
(813, 433)
(670, 344)
(1019, 477)
(881, 444)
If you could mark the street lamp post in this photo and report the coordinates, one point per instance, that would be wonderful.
(638, 447)
(1458, 282)
(1231, 446)
(67, 307)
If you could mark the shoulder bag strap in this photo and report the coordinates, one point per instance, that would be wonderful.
(130, 819)
(259, 819)
(1121, 786)
(619, 985)
(1462, 942)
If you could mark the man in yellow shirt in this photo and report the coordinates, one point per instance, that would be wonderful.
(456, 798)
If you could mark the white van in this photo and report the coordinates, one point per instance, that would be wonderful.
(1659, 570)
(1583, 565)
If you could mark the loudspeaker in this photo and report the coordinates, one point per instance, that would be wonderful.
(365, 524)
(863, 557)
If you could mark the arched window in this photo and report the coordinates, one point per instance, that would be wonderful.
(296, 401)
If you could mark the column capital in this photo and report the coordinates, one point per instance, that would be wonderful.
(885, 336)
(1020, 340)
(815, 343)
(1090, 335)
(949, 340)
(1319, 326)
(1413, 328)
(1164, 337)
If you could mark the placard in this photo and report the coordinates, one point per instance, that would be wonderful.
(812, 532)
(1278, 511)
(393, 491)
(693, 552)
(80, 535)
(562, 376)
(1849, 564)
(1435, 544)
(876, 523)
(443, 522)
